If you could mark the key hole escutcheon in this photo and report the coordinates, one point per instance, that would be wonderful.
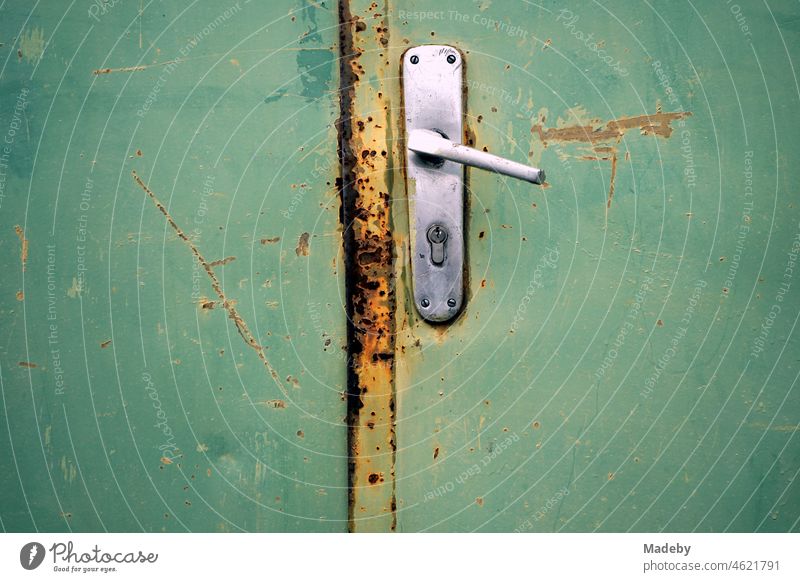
(437, 236)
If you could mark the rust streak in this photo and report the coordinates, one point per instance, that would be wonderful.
(230, 306)
(23, 252)
(613, 178)
(27, 364)
(365, 185)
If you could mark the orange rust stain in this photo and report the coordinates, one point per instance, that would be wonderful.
(274, 403)
(658, 124)
(105, 344)
(269, 241)
(20, 296)
(302, 245)
(229, 305)
(23, 253)
(27, 364)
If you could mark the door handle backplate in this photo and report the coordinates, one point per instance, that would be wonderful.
(435, 158)
(433, 100)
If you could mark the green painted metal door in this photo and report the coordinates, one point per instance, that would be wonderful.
(173, 331)
(628, 357)
(206, 313)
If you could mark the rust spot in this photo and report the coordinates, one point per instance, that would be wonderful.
(105, 344)
(20, 296)
(536, 424)
(139, 153)
(27, 364)
(479, 501)
(656, 124)
(166, 460)
(436, 453)
(269, 241)
(207, 303)
(274, 403)
(483, 283)
(222, 262)
(302, 245)
(230, 306)
(375, 478)
(660, 323)
(23, 252)
(611, 476)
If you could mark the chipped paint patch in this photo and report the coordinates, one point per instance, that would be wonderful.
(302, 245)
(23, 244)
(594, 131)
(31, 45)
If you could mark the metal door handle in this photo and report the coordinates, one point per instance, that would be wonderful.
(432, 144)
(433, 103)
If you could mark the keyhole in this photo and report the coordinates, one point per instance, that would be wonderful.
(437, 236)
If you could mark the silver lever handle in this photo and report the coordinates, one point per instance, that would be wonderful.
(430, 143)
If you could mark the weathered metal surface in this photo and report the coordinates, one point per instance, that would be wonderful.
(173, 353)
(606, 373)
(367, 179)
(171, 235)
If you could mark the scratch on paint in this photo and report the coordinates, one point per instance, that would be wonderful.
(133, 69)
(23, 253)
(230, 306)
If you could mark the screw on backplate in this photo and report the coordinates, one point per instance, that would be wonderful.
(425, 303)
(451, 302)
(414, 59)
(451, 59)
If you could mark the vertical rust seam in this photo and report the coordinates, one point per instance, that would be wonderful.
(363, 184)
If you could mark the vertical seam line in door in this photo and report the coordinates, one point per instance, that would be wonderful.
(364, 186)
